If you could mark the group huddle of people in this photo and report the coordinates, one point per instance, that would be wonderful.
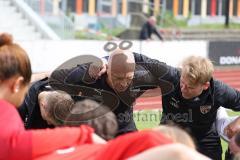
(78, 110)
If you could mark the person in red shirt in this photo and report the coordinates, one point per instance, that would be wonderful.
(15, 141)
(174, 151)
(104, 122)
(122, 147)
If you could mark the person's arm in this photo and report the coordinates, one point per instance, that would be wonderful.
(26, 109)
(75, 75)
(38, 76)
(48, 140)
(233, 127)
(159, 69)
(226, 96)
(222, 121)
(157, 33)
(77, 82)
(167, 76)
(18, 143)
(67, 79)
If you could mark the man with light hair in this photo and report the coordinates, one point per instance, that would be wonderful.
(39, 99)
(196, 74)
(91, 113)
(194, 102)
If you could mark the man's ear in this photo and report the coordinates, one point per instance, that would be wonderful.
(41, 104)
(17, 84)
(206, 85)
(40, 100)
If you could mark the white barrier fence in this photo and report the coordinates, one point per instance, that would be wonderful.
(47, 55)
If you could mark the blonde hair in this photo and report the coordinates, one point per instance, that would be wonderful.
(197, 69)
(177, 134)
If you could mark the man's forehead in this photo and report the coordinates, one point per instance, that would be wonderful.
(123, 74)
(122, 68)
(187, 81)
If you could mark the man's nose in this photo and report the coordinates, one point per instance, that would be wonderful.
(183, 87)
(123, 83)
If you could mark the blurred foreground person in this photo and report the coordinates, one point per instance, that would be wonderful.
(15, 141)
(173, 151)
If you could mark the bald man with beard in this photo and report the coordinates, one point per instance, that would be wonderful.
(120, 70)
(124, 82)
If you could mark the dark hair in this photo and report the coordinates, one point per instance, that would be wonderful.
(237, 139)
(95, 115)
(13, 60)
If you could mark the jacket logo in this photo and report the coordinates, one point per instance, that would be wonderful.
(174, 102)
(205, 109)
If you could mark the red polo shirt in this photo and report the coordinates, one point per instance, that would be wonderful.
(17, 143)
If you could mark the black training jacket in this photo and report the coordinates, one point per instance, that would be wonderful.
(120, 103)
(30, 110)
(196, 115)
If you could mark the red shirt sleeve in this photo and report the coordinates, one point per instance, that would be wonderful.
(48, 140)
(15, 142)
(131, 144)
(81, 152)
